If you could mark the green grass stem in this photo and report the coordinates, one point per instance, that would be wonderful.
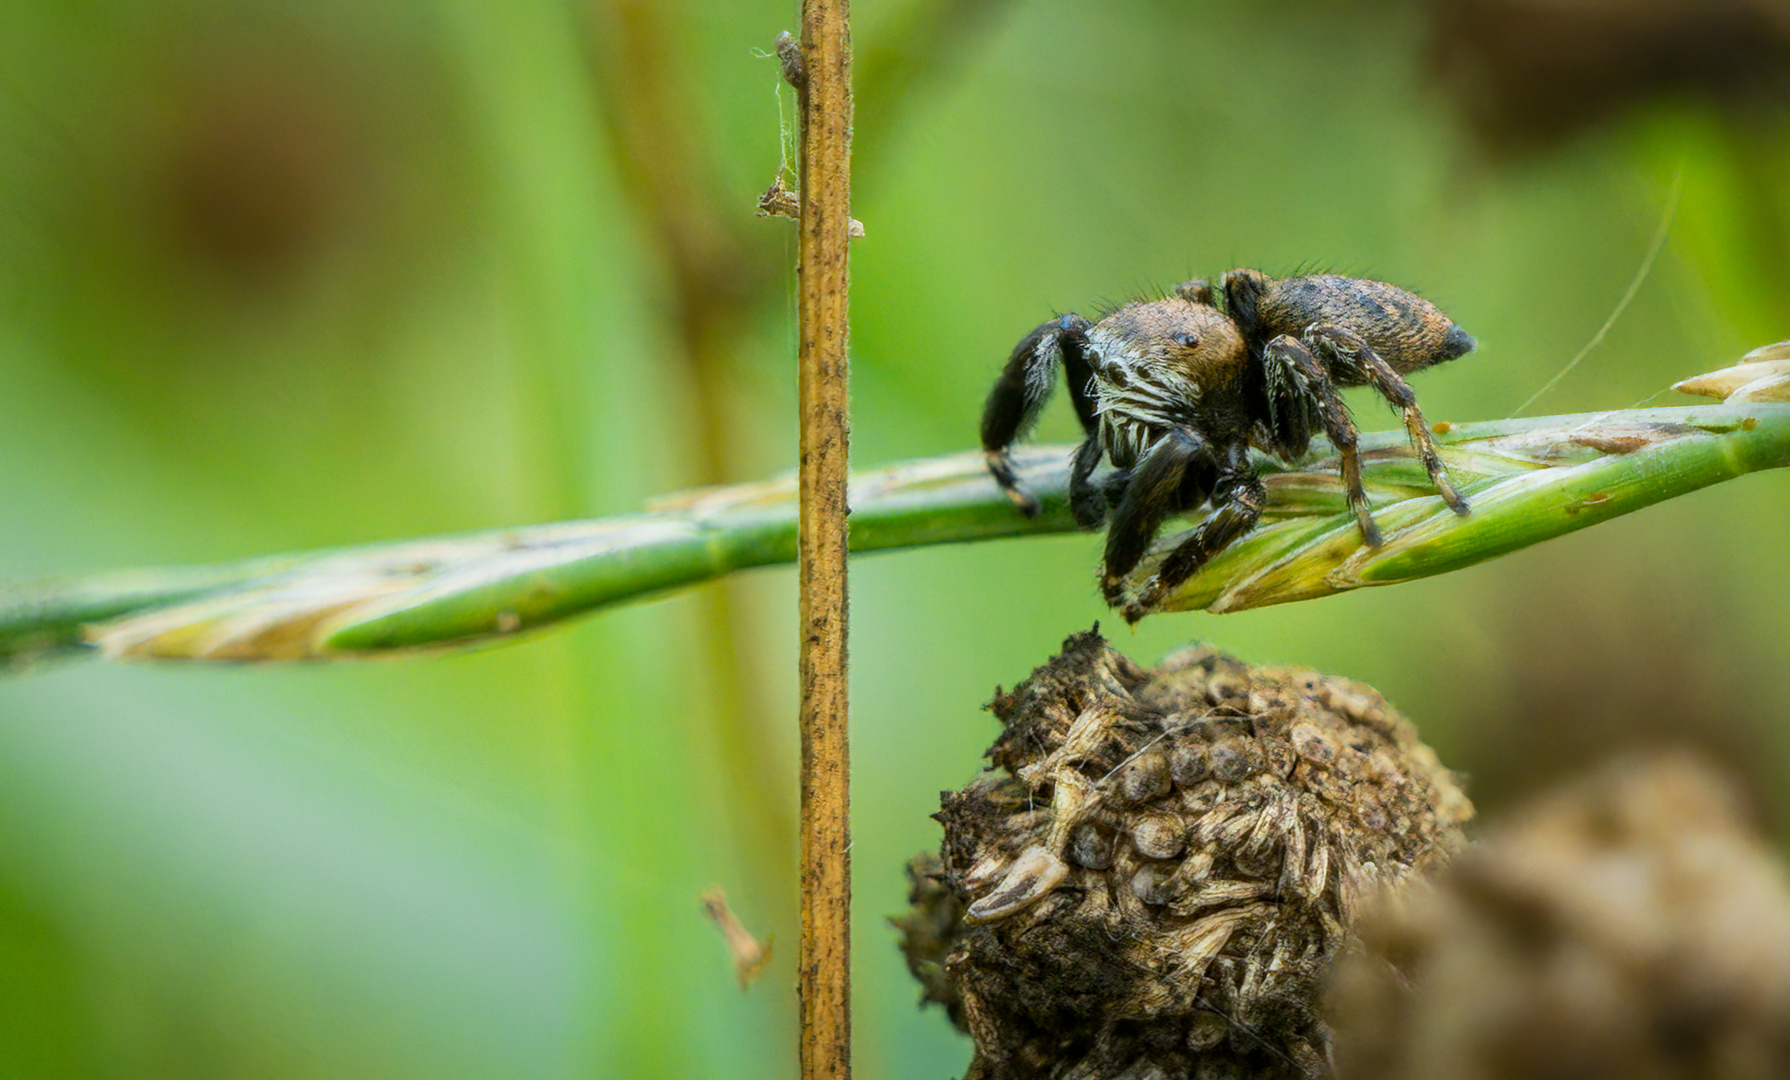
(1529, 479)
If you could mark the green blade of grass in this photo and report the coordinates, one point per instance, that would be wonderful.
(1525, 487)
(467, 589)
(1529, 479)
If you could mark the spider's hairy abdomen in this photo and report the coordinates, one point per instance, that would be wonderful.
(1407, 331)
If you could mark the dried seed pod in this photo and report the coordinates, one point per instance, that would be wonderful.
(1153, 884)
(1226, 687)
(1189, 762)
(1173, 911)
(1144, 780)
(1235, 760)
(1632, 925)
(1202, 797)
(1159, 835)
(1089, 846)
(1314, 744)
(1206, 1030)
(1030, 878)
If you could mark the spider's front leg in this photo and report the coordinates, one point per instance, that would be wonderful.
(1351, 352)
(1086, 501)
(1299, 386)
(1238, 500)
(1175, 475)
(1023, 388)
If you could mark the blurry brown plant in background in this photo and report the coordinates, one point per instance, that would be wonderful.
(1527, 74)
(262, 163)
(1631, 925)
(1582, 681)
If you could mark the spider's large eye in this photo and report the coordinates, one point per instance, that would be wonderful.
(1186, 339)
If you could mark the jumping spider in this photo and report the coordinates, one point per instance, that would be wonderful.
(1174, 392)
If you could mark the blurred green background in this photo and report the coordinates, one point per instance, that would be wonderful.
(282, 276)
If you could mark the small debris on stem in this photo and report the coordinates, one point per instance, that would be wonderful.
(749, 954)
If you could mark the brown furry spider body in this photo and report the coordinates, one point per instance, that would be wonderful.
(1174, 392)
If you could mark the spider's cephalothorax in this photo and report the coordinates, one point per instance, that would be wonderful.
(1174, 392)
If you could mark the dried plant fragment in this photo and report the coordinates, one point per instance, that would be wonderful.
(781, 200)
(928, 930)
(749, 954)
(1761, 375)
(1154, 876)
(1632, 925)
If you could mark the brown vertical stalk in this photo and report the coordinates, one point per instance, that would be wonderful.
(823, 83)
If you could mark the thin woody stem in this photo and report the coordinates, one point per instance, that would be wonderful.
(823, 86)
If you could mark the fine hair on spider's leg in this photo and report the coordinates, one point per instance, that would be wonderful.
(1020, 393)
(1175, 475)
(1297, 381)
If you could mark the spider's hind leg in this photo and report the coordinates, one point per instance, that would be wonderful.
(1298, 385)
(1023, 388)
(1374, 371)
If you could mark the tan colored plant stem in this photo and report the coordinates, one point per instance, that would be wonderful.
(823, 83)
